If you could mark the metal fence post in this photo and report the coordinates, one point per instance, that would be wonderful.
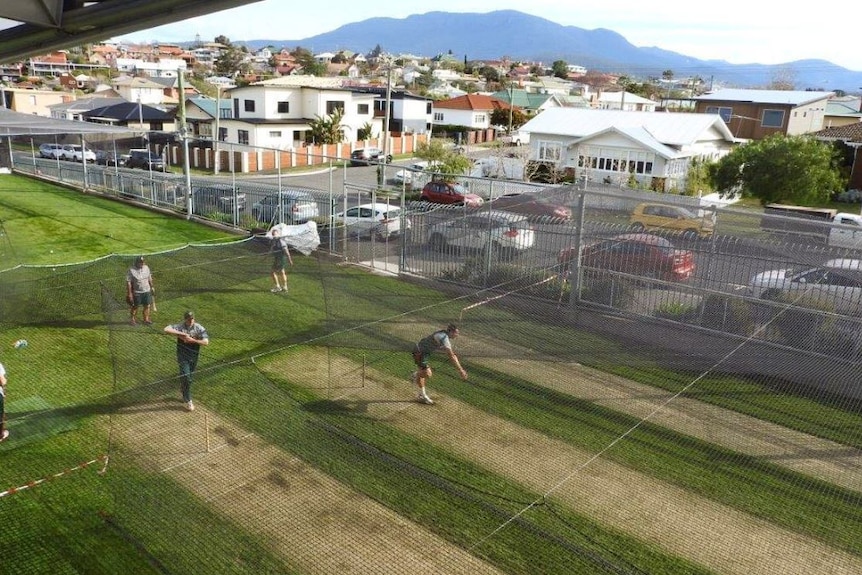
(574, 264)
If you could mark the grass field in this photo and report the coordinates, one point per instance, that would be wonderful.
(563, 453)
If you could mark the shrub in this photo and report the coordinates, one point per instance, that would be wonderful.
(607, 290)
(677, 311)
(727, 314)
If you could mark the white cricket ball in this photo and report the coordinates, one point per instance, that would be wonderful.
(52, 251)
(19, 344)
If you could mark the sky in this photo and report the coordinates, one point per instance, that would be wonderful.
(740, 32)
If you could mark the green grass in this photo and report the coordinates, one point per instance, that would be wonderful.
(84, 523)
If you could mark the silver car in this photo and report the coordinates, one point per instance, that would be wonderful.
(836, 285)
(380, 219)
(287, 207)
(503, 232)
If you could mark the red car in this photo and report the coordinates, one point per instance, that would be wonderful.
(441, 192)
(637, 254)
(533, 206)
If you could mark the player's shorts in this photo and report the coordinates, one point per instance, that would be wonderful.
(419, 358)
(279, 261)
(142, 299)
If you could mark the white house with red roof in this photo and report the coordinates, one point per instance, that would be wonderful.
(470, 110)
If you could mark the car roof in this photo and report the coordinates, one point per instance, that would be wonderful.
(844, 264)
(650, 239)
(378, 206)
(501, 215)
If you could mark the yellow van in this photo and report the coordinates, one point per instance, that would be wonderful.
(664, 217)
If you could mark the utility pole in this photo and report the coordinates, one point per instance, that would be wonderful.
(216, 135)
(381, 165)
(185, 138)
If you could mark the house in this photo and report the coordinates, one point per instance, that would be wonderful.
(530, 103)
(31, 101)
(132, 115)
(76, 109)
(621, 100)
(851, 136)
(278, 113)
(843, 111)
(142, 90)
(756, 114)
(471, 111)
(655, 150)
(411, 114)
(201, 116)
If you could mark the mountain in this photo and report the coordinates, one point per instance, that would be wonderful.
(493, 35)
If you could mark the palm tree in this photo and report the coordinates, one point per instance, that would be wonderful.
(328, 129)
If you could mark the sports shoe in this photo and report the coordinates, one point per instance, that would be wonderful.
(5, 435)
(190, 406)
(133, 321)
(276, 289)
(425, 399)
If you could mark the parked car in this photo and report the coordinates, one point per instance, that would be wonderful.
(106, 158)
(287, 207)
(407, 175)
(51, 151)
(516, 138)
(77, 153)
(365, 156)
(221, 198)
(441, 192)
(836, 285)
(380, 219)
(644, 255)
(664, 217)
(534, 206)
(145, 160)
(505, 233)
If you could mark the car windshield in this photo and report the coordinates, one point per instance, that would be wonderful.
(687, 214)
(459, 189)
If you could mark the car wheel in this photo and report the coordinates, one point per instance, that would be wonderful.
(438, 242)
(689, 235)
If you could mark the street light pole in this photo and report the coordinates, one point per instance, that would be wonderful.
(216, 135)
(381, 165)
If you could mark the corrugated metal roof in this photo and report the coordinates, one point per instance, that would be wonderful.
(668, 128)
(787, 97)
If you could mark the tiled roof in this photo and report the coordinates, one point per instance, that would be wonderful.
(848, 133)
(477, 102)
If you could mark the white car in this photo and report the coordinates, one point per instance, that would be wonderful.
(836, 285)
(380, 219)
(504, 232)
(50, 151)
(77, 153)
(411, 172)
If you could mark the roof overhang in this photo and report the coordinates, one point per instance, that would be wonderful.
(46, 25)
(17, 124)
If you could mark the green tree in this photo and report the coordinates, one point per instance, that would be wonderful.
(780, 169)
(365, 132)
(500, 117)
(310, 65)
(439, 152)
(327, 129)
(560, 69)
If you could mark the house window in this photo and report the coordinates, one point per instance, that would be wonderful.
(222, 134)
(429, 109)
(248, 105)
(333, 105)
(157, 126)
(275, 134)
(283, 107)
(242, 136)
(722, 111)
(362, 109)
(480, 118)
(772, 118)
(438, 116)
(550, 151)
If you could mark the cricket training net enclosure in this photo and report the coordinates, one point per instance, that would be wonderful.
(573, 447)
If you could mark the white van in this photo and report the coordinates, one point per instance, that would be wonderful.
(846, 231)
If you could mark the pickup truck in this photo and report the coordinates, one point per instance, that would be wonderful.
(516, 138)
(838, 229)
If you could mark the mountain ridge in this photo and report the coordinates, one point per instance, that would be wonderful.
(475, 36)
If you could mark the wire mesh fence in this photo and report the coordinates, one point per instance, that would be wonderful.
(566, 450)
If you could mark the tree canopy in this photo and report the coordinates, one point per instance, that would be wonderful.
(439, 152)
(780, 169)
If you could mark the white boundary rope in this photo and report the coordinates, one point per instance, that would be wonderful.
(498, 296)
(36, 482)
